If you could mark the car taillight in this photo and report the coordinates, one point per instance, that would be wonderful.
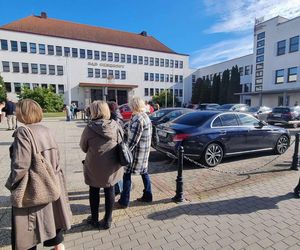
(289, 114)
(270, 114)
(181, 137)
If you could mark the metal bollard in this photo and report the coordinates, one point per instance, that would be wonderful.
(295, 162)
(179, 181)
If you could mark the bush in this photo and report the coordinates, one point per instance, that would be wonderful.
(161, 99)
(2, 90)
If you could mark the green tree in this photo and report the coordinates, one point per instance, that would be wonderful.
(196, 90)
(215, 89)
(205, 93)
(224, 87)
(2, 90)
(161, 99)
(234, 85)
(48, 100)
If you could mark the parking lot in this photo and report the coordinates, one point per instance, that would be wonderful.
(229, 179)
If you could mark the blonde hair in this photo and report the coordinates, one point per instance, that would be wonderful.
(100, 110)
(137, 104)
(29, 111)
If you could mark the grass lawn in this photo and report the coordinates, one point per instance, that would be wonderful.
(54, 114)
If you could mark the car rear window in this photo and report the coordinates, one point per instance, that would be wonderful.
(194, 118)
(281, 110)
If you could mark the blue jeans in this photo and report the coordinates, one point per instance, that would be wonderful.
(125, 195)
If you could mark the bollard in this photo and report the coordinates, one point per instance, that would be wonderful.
(295, 162)
(179, 181)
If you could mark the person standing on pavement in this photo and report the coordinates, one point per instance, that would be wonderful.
(10, 109)
(139, 142)
(44, 223)
(101, 165)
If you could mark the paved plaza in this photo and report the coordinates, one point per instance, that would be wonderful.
(245, 203)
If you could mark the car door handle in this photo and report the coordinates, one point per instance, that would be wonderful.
(223, 132)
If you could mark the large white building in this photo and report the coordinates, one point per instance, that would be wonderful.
(86, 63)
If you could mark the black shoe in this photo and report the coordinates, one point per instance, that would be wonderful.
(93, 223)
(104, 224)
(120, 206)
(143, 199)
(296, 193)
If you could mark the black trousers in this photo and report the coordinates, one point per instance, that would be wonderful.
(94, 197)
(297, 188)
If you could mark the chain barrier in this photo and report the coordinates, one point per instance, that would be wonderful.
(198, 164)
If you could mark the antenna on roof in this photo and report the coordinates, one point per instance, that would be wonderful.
(43, 15)
(143, 33)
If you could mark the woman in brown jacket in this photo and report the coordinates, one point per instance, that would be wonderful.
(101, 166)
(33, 225)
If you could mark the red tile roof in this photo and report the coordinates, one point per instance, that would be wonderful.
(58, 28)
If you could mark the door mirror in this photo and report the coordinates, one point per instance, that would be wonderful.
(260, 124)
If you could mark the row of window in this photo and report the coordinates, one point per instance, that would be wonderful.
(157, 91)
(32, 68)
(293, 46)
(248, 70)
(104, 73)
(162, 77)
(89, 54)
(16, 87)
(291, 75)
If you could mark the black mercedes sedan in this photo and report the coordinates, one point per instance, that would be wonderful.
(209, 136)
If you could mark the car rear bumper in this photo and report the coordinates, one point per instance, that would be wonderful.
(289, 122)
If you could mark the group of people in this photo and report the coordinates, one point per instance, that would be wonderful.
(8, 109)
(102, 169)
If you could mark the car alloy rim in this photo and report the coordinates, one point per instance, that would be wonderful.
(213, 154)
(282, 144)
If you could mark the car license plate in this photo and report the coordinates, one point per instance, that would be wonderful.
(162, 133)
(277, 115)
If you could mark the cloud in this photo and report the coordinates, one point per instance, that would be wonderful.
(237, 15)
(222, 51)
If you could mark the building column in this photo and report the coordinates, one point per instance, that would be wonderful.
(87, 96)
(284, 99)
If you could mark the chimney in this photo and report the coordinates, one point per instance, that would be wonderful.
(143, 33)
(44, 15)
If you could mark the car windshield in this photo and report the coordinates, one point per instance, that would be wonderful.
(253, 109)
(158, 114)
(281, 110)
(225, 106)
(194, 118)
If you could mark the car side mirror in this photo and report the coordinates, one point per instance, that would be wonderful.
(260, 124)
(166, 119)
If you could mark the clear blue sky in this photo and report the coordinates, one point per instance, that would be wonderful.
(209, 31)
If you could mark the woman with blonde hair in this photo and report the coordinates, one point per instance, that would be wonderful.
(43, 223)
(139, 142)
(101, 165)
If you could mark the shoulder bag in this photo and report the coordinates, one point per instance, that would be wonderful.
(125, 155)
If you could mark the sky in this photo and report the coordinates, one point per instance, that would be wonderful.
(210, 31)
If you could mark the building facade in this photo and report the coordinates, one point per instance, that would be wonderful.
(86, 63)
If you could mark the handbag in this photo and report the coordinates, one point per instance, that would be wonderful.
(125, 155)
(39, 186)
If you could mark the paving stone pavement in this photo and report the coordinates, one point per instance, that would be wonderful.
(254, 210)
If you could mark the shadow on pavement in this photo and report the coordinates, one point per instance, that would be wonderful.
(245, 205)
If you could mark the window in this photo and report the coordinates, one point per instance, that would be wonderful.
(110, 56)
(176, 78)
(4, 44)
(281, 48)
(258, 81)
(82, 53)
(241, 70)
(151, 76)
(58, 50)
(23, 47)
(260, 43)
(51, 69)
(162, 77)
(260, 51)
(42, 49)
(117, 74)
(123, 74)
(5, 66)
(193, 78)
(35, 85)
(53, 88)
(259, 73)
(14, 45)
(122, 58)
(162, 62)
(151, 61)
(181, 79)
(229, 120)
(32, 47)
(247, 120)
(17, 86)
(74, 52)
(7, 86)
(89, 54)
(111, 73)
(67, 51)
(294, 44)
(16, 67)
(103, 56)
(44, 85)
(171, 63)
(60, 70)
(217, 122)
(171, 78)
(26, 85)
(259, 59)
(167, 77)
(180, 92)
(43, 69)
(156, 77)
(128, 58)
(34, 68)
(279, 76)
(140, 60)
(292, 74)
(90, 72)
(25, 68)
(117, 57)
(97, 73)
(61, 89)
(146, 76)
(146, 92)
(151, 92)
(96, 55)
(134, 59)
(104, 73)
(176, 92)
(261, 35)
(156, 61)
(156, 91)
(146, 60)
(176, 64)
(167, 63)
(50, 49)
(259, 66)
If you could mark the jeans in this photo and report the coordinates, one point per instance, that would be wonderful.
(125, 195)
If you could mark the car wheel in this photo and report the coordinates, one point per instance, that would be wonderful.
(295, 125)
(282, 144)
(213, 155)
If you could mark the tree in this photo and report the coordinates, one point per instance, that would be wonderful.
(234, 85)
(205, 92)
(2, 90)
(224, 87)
(215, 89)
(196, 90)
(45, 97)
(161, 99)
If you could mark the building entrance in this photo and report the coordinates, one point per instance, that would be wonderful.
(122, 97)
(96, 94)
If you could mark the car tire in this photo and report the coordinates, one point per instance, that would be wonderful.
(282, 144)
(213, 155)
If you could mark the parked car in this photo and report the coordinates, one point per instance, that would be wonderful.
(260, 112)
(192, 106)
(239, 107)
(285, 115)
(208, 106)
(209, 136)
(125, 111)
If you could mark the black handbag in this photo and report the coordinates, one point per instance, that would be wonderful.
(125, 155)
